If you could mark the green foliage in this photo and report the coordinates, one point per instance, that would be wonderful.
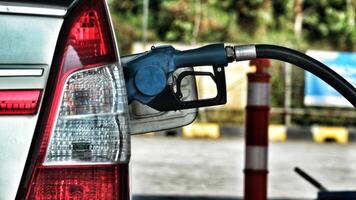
(326, 23)
(277, 80)
(331, 21)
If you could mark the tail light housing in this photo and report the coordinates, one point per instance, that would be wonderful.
(84, 137)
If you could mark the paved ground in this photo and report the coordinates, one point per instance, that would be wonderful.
(175, 166)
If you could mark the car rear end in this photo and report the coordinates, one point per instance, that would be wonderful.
(63, 107)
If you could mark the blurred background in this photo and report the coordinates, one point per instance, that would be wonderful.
(311, 125)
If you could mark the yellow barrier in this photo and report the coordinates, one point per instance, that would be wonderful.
(201, 130)
(277, 133)
(323, 133)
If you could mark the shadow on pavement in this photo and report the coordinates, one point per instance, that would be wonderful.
(180, 197)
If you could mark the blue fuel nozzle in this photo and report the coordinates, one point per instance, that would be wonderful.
(147, 74)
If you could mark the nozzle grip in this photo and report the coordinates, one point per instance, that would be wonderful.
(212, 55)
(169, 100)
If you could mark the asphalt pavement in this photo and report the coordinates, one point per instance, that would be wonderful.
(174, 166)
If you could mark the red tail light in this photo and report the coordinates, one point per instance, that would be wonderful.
(19, 102)
(85, 142)
(77, 183)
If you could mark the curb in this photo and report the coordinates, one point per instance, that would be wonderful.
(277, 133)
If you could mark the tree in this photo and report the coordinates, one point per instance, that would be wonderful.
(331, 21)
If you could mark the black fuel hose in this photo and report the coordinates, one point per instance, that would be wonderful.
(309, 64)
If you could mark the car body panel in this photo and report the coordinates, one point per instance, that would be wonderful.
(27, 42)
(27, 39)
(39, 4)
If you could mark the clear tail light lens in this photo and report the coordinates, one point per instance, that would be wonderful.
(85, 142)
(91, 125)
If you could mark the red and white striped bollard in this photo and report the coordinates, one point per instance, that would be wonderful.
(256, 132)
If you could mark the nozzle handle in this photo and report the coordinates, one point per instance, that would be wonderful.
(212, 55)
